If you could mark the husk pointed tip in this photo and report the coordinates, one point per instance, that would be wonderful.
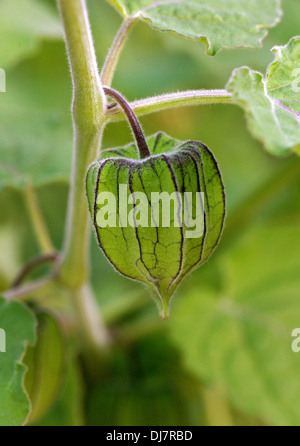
(164, 311)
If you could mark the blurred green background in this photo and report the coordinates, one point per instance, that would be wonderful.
(224, 357)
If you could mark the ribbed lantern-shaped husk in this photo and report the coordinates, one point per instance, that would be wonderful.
(138, 242)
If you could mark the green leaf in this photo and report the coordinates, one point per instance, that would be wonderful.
(19, 325)
(283, 81)
(271, 103)
(23, 24)
(217, 23)
(46, 366)
(241, 341)
(145, 248)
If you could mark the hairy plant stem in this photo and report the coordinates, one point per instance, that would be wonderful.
(88, 111)
(114, 53)
(171, 100)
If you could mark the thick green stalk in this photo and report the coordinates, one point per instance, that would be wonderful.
(88, 111)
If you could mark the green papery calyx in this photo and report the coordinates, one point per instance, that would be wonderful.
(164, 213)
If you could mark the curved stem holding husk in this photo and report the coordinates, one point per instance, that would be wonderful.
(134, 123)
